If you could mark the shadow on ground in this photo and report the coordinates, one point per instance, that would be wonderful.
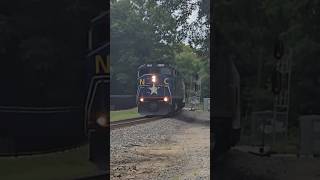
(194, 117)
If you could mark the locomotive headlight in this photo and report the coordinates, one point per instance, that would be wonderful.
(102, 121)
(165, 99)
(141, 99)
(153, 78)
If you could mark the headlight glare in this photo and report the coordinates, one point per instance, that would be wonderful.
(153, 78)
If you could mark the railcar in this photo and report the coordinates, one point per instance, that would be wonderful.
(160, 90)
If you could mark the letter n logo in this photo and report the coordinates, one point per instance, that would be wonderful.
(101, 65)
(141, 81)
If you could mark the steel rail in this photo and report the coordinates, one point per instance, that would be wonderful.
(98, 176)
(132, 121)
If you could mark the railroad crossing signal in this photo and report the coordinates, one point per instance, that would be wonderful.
(281, 68)
(281, 76)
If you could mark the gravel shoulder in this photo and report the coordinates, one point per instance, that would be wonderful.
(163, 149)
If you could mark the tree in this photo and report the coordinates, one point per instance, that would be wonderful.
(144, 32)
(251, 30)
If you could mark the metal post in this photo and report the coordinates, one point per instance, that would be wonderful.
(289, 87)
(263, 143)
(274, 121)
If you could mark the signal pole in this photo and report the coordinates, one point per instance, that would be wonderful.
(282, 95)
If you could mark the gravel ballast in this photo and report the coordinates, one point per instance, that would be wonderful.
(164, 149)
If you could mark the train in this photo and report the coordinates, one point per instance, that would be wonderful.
(33, 121)
(160, 90)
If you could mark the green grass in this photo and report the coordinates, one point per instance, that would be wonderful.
(124, 114)
(287, 148)
(64, 165)
(291, 146)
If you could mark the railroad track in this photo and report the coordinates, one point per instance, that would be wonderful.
(100, 176)
(133, 121)
(138, 120)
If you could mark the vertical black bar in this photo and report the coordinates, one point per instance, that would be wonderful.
(98, 103)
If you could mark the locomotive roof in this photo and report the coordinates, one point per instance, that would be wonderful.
(101, 16)
(155, 65)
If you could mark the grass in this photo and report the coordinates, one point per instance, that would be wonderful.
(291, 146)
(285, 148)
(124, 114)
(64, 165)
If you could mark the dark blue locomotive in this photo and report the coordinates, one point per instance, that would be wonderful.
(161, 90)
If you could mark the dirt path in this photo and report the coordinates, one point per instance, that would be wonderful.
(185, 155)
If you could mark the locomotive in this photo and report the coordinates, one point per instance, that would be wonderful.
(160, 90)
(31, 125)
(226, 94)
(97, 104)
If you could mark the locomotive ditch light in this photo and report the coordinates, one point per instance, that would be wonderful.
(141, 99)
(165, 99)
(153, 78)
(102, 121)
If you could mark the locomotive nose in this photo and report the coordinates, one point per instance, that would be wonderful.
(153, 106)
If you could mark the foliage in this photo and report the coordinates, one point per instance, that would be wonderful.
(189, 64)
(149, 32)
(251, 27)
